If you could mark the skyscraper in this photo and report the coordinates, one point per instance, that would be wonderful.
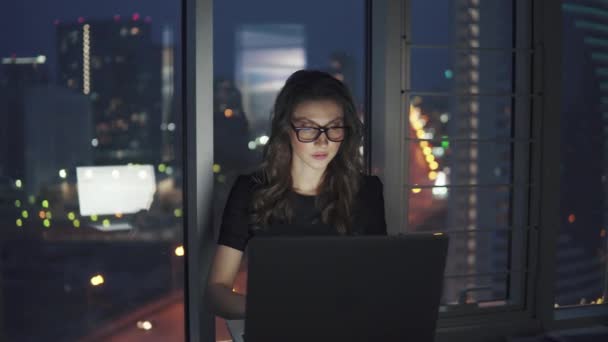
(115, 63)
(16, 76)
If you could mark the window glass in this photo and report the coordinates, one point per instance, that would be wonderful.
(257, 45)
(91, 245)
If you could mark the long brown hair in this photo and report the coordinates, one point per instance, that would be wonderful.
(343, 174)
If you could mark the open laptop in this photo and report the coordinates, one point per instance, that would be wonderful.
(363, 288)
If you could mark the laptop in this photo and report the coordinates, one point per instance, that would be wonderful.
(360, 288)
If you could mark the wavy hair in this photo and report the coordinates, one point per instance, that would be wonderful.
(342, 177)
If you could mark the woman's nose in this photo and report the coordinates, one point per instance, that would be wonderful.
(321, 140)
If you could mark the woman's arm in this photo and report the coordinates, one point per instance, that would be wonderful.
(220, 297)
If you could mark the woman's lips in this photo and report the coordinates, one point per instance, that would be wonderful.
(319, 156)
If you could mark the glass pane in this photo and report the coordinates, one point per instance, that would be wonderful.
(581, 251)
(91, 172)
(441, 163)
(462, 23)
(461, 71)
(255, 49)
(440, 208)
(478, 252)
(464, 117)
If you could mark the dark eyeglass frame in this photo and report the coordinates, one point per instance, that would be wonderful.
(319, 131)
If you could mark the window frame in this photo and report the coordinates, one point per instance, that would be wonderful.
(536, 315)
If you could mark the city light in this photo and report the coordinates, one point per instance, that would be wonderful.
(228, 113)
(179, 251)
(144, 325)
(252, 145)
(94, 218)
(47, 223)
(40, 59)
(264, 139)
(162, 168)
(71, 216)
(25, 214)
(177, 212)
(49, 215)
(18, 183)
(97, 280)
(17, 203)
(217, 168)
(115, 174)
(438, 151)
(571, 218)
(76, 223)
(41, 214)
(45, 203)
(94, 142)
(444, 117)
(106, 223)
(19, 223)
(171, 127)
(86, 59)
(63, 174)
(416, 190)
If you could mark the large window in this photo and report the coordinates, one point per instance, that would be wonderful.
(466, 97)
(581, 277)
(257, 45)
(91, 171)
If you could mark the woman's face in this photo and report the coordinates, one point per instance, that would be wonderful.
(317, 154)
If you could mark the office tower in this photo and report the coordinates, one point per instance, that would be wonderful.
(115, 63)
(581, 246)
(479, 210)
(17, 74)
(265, 57)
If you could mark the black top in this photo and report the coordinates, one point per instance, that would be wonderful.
(236, 230)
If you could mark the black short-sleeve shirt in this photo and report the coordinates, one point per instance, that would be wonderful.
(235, 230)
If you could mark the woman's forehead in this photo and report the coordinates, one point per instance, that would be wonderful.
(318, 111)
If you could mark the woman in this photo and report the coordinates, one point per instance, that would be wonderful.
(310, 182)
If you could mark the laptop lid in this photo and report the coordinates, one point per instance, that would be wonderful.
(363, 288)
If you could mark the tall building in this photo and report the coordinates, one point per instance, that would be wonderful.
(17, 75)
(472, 208)
(115, 63)
(581, 274)
(265, 57)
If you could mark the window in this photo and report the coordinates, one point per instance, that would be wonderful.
(581, 277)
(257, 45)
(91, 173)
(466, 98)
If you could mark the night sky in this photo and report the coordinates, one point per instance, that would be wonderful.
(28, 29)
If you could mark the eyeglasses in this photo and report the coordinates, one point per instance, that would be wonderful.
(310, 134)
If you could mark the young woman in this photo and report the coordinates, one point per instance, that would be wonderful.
(310, 182)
